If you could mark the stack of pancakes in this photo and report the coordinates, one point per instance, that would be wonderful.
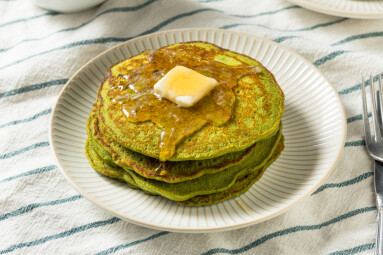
(210, 152)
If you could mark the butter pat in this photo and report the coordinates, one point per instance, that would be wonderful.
(184, 86)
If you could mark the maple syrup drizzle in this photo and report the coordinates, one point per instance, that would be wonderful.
(133, 90)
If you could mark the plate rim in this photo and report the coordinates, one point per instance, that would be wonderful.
(335, 12)
(206, 229)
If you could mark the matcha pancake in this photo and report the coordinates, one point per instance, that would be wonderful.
(206, 184)
(191, 122)
(152, 168)
(244, 108)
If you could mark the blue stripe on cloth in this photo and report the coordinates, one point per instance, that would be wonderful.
(284, 38)
(357, 249)
(120, 9)
(31, 172)
(281, 30)
(15, 122)
(290, 231)
(329, 57)
(60, 235)
(345, 183)
(355, 143)
(358, 37)
(208, 1)
(170, 20)
(357, 117)
(241, 24)
(33, 87)
(359, 86)
(36, 205)
(321, 25)
(29, 18)
(123, 246)
(31, 147)
(350, 90)
(266, 13)
(109, 39)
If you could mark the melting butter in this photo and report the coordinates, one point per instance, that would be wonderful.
(184, 86)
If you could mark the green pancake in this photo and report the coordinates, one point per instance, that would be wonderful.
(152, 168)
(250, 112)
(204, 154)
(206, 184)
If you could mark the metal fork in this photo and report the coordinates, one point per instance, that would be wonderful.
(374, 146)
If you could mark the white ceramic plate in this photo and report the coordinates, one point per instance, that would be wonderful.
(313, 125)
(360, 9)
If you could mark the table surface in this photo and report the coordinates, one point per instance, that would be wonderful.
(40, 213)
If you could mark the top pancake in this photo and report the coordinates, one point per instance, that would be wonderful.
(245, 108)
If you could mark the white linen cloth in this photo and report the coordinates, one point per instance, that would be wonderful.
(40, 213)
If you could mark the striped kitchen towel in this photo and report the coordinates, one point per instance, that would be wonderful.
(40, 213)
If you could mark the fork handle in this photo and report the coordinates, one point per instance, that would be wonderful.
(379, 235)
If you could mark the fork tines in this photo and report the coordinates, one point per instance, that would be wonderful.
(377, 105)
